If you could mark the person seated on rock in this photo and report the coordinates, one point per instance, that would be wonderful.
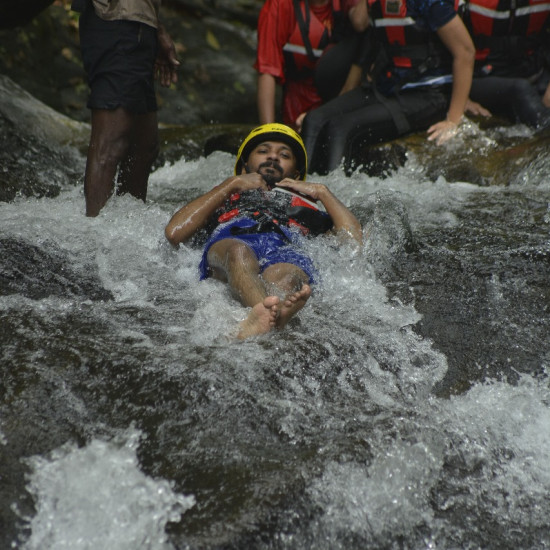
(418, 78)
(255, 222)
(308, 48)
(511, 74)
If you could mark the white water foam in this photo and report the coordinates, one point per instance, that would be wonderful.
(498, 438)
(493, 431)
(97, 497)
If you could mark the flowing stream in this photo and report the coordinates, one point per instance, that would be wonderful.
(408, 407)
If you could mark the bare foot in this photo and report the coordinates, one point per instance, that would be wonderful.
(261, 319)
(293, 304)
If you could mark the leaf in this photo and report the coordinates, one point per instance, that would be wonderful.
(67, 53)
(212, 41)
(238, 87)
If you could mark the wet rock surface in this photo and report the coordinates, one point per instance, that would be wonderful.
(75, 357)
(43, 96)
(215, 42)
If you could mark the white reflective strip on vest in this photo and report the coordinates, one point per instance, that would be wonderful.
(493, 14)
(537, 8)
(294, 48)
(443, 79)
(394, 22)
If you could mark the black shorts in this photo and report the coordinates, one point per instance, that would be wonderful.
(118, 57)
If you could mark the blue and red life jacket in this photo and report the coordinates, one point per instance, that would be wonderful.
(272, 210)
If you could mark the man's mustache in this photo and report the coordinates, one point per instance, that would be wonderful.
(269, 178)
(271, 164)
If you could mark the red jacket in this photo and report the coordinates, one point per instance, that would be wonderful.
(505, 31)
(281, 51)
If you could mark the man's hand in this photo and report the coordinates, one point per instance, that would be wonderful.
(312, 190)
(246, 182)
(442, 131)
(345, 223)
(166, 63)
(474, 108)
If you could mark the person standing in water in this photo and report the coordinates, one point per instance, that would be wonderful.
(255, 222)
(124, 48)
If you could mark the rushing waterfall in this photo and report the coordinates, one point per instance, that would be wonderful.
(407, 406)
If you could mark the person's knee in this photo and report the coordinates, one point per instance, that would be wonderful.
(313, 123)
(238, 253)
(110, 147)
(521, 89)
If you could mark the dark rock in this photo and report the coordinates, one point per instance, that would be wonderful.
(14, 14)
(36, 156)
(379, 160)
(192, 142)
(41, 271)
(29, 166)
(217, 81)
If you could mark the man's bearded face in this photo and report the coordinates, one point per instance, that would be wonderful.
(271, 171)
(273, 160)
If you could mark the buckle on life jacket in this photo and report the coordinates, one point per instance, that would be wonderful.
(264, 224)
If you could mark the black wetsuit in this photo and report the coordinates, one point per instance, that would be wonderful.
(512, 41)
(392, 107)
(517, 99)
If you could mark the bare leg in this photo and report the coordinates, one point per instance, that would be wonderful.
(235, 263)
(109, 145)
(136, 166)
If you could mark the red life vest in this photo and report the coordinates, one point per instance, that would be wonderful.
(300, 57)
(271, 209)
(407, 45)
(500, 25)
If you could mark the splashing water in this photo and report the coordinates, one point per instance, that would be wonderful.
(364, 424)
(96, 497)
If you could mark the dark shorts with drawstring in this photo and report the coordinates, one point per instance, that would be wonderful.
(270, 247)
(118, 57)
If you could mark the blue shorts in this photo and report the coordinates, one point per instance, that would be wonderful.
(270, 248)
(118, 57)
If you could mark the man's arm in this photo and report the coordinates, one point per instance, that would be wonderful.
(458, 41)
(342, 218)
(266, 95)
(359, 16)
(194, 215)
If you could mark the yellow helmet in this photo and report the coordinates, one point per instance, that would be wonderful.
(274, 132)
